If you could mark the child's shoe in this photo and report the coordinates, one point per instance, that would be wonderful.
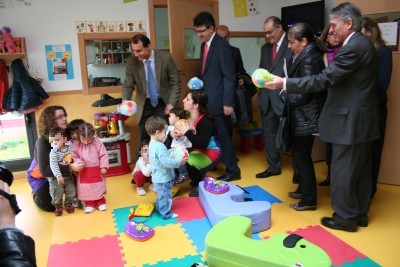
(89, 209)
(75, 204)
(151, 187)
(58, 211)
(141, 191)
(102, 207)
(70, 209)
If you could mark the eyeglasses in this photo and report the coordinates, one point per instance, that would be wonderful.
(62, 116)
(201, 31)
(270, 31)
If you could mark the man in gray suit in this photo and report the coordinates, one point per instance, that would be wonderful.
(168, 83)
(268, 102)
(350, 117)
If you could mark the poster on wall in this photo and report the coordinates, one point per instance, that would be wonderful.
(59, 62)
(244, 8)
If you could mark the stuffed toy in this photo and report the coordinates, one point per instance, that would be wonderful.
(9, 42)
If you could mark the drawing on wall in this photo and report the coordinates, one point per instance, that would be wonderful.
(140, 26)
(101, 26)
(59, 62)
(111, 26)
(244, 8)
(90, 26)
(130, 26)
(121, 26)
(80, 26)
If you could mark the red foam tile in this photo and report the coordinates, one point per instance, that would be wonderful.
(99, 252)
(188, 208)
(339, 251)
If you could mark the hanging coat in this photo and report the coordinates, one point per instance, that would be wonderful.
(3, 83)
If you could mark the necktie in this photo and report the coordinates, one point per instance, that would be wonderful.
(274, 51)
(151, 85)
(205, 53)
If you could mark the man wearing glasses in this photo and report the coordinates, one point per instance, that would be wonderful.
(273, 53)
(217, 71)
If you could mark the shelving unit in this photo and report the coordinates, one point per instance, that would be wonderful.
(9, 57)
(111, 52)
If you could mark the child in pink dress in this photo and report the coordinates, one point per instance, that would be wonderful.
(91, 182)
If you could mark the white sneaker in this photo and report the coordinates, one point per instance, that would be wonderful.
(151, 187)
(89, 209)
(141, 191)
(76, 203)
(174, 215)
(102, 207)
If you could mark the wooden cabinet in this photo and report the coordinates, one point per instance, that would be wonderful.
(103, 61)
(8, 57)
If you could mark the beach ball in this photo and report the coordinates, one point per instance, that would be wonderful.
(180, 123)
(195, 84)
(128, 108)
(261, 76)
(179, 152)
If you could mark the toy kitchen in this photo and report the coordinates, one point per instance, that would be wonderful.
(110, 130)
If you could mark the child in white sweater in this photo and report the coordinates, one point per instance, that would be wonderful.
(142, 171)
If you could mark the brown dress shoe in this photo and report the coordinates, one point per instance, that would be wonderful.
(302, 208)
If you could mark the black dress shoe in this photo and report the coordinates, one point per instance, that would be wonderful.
(302, 208)
(331, 223)
(326, 182)
(295, 195)
(267, 173)
(228, 178)
(362, 221)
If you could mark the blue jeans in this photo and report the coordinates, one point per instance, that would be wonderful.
(164, 198)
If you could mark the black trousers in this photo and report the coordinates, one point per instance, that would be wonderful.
(42, 198)
(148, 111)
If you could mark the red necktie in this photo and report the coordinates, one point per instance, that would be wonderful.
(274, 51)
(205, 53)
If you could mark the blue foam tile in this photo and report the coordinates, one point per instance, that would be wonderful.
(197, 231)
(256, 193)
(174, 262)
(121, 217)
(365, 262)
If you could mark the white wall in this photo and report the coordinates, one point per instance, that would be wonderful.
(53, 22)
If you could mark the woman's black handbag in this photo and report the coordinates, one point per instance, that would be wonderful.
(283, 141)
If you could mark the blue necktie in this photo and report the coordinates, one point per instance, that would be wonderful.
(151, 85)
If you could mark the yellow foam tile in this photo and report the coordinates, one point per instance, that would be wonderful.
(157, 248)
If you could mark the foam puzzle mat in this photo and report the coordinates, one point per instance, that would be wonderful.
(99, 238)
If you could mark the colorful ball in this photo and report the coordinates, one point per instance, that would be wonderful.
(179, 153)
(180, 123)
(128, 108)
(195, 84)
(261, 76)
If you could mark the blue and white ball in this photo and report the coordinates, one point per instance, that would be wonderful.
(195, 84)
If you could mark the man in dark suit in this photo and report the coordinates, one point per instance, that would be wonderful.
(217, 71)
(350, 117)
(168, 83)
(268, 102)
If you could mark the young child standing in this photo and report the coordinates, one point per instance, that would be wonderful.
(91, 182)
(142, 171)
(182, 141)
(162, 166)
(61, 154)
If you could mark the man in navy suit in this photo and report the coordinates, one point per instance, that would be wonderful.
(217, 71)
(350, 117)
(268, 102)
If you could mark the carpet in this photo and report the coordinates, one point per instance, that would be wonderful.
(98, 239)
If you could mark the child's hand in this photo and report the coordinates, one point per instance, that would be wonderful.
(103, 170)
(77, 166)
(184, 160)
(174, 134)
(60, 180)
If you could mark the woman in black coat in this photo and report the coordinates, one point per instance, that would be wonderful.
(304, 111)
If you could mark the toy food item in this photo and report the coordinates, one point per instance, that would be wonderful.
(195, 84)
(180, 123)
(215, 186)
(179, 153)
(261, 76)
(128, 108)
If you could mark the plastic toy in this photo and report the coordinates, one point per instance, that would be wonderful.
(195, 84)
(215, 186)
(180, 123)
(261, 76)
(128, 108)
(138, 230)
(9, 42)
(179, 153)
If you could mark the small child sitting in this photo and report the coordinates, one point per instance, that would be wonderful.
(162, 166)
(175, 115)
(142, 171)
(61, 154)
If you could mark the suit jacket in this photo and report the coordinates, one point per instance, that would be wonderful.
(237, 58)
(167, 76)
(265, 96)
(351, 112)
(219, 75)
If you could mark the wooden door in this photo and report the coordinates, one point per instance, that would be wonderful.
(180, 16)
